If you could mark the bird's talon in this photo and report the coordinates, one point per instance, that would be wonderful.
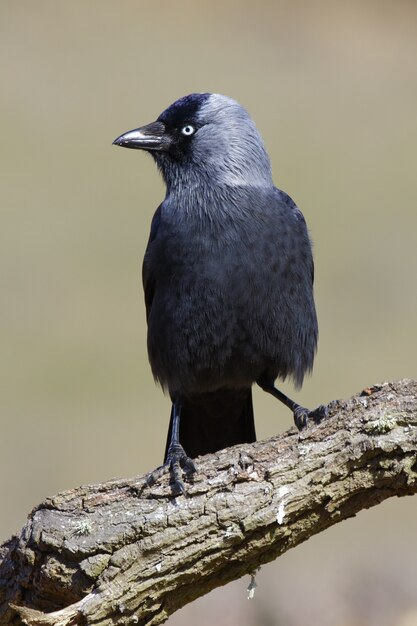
(188, 465)
(157, 473)
(301, 417)
(179, 487)
(319, 414)
(177, 464)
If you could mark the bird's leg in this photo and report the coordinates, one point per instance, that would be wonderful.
(301, 414)
(176, 458)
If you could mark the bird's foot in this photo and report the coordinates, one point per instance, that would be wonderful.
(302, 415)
(176, 464)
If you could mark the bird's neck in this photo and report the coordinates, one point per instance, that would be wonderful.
(207, 201)
(214, 175)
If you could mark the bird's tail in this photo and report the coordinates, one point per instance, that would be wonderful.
(216, 420)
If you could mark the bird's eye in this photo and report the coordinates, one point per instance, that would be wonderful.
(188, 130)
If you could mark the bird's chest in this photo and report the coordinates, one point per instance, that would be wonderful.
(206, 269)
(203, 283)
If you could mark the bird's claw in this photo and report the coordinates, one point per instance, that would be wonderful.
(319, 414)
(176, 464)
(302, 415)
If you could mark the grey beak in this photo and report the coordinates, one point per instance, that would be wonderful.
(149, 137)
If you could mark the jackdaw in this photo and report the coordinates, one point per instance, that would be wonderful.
(228, 278)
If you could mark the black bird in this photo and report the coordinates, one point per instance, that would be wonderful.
(228, 278)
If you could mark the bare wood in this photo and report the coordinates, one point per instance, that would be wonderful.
(120, 553)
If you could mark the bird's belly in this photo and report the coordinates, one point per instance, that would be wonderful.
(196, 341)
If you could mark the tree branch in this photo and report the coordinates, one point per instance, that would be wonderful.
(122, 553)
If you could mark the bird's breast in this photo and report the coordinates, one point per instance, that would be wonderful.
(228, 301)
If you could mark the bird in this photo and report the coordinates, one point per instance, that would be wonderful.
(228, 278)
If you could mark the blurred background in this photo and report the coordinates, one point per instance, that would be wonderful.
(332, 87)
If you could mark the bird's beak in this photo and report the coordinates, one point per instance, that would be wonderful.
(149, 137)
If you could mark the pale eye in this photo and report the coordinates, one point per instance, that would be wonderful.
(188, 130)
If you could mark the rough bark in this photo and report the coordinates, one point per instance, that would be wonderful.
(123, 553)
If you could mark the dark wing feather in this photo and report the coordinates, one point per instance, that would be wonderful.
(148, 279)
(291, 204)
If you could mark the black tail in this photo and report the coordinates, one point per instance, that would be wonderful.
(216, 420)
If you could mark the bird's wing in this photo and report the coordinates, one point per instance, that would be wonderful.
(289, 202)
(148, 279)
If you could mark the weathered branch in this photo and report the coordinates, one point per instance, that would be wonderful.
(119, 553)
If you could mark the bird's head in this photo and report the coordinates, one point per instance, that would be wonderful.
(204, 137)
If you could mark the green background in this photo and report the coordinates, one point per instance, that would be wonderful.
(332, 87)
